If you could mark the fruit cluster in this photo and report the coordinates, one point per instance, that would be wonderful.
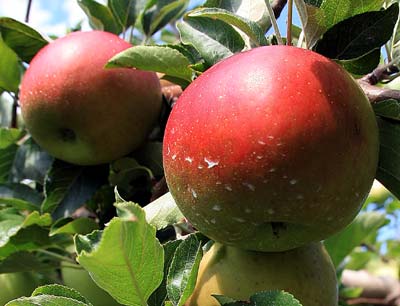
(270, 150)
(267, 153)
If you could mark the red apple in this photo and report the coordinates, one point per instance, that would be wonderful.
(271, 149)
(81, 112)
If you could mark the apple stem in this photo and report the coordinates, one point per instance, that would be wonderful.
(289, 23)
(274, 23)
(28, 11)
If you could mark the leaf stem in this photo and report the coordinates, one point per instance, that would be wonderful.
(28, 11)
(58, 256)
(274, 23)
(289, 23)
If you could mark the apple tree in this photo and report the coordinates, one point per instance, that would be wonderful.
(202, 153)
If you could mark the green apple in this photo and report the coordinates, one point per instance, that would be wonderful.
(15, 285)
(271, 149)
(306, 272)
(80, 280)
(81, 112)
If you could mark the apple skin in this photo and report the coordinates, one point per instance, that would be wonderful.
(81, 281)
(271, 149)
(81, 112)
(15, 285)
(306, 272)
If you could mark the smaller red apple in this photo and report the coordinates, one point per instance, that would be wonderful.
(81, 112)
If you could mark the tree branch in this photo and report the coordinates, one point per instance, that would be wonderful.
(375, 93)
(28, 11)
(377, 290)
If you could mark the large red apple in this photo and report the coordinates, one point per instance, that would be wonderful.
(81, 112)
(271, 149)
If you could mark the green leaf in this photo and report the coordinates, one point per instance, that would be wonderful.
(52, 295)
(364, 64)
(31, 162)
(250, 28)
(389, 155)
(130, 177)
(265, 298)
(254, 10)
(59, 290)
(9, 136)
(163, 212)
(161, 13)
(150, 156)
(213, 39)
(25, 262)
(154, 58)
(7, 157)
(100, 16)
(358, 35)
(182, 274)
(58, 182)
(134, 267)
(10, 68)
(387, 109)
(336, 11)
(341, 244)
(20, 196)
(68, 187)
(73, 226)
(126, 11)
(159, 296)
(351, 292)
(20, 37)
(318, 16)
(21, 239)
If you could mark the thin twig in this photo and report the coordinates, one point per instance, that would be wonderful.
(28, 11)
(289, 23)
(274, 23)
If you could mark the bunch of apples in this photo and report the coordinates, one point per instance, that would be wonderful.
(267, 153)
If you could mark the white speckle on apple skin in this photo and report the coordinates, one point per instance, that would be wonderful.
(250, 186)
(270, 211)
(213, 221)
(189, 159)
(240, 220)
(228, 187)
(194, 193)
(261, 142)
(293, 182)
(247, 210)
(210, 163)
(173, 157)
(272, 170)
(216, 207)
